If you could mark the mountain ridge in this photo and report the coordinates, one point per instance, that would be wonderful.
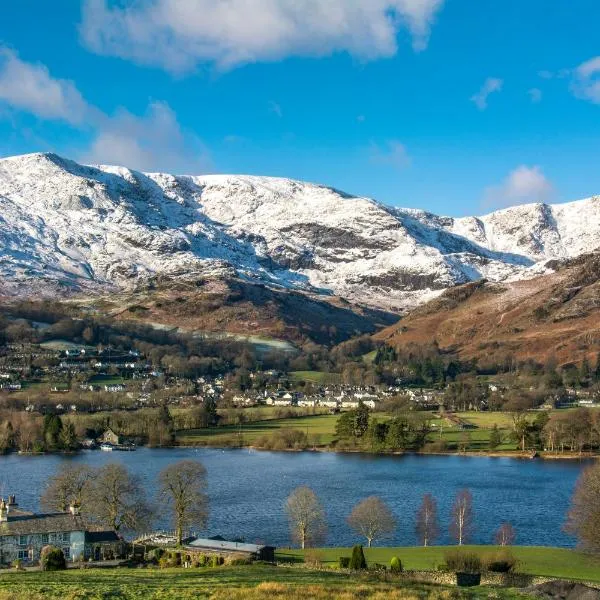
(66, 227)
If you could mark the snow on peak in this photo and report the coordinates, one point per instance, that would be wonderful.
(73, 227)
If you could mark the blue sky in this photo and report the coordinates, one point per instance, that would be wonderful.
(454, 106)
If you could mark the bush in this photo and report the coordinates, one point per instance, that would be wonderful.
(358, 561)
(344, 562)
(238, 562)
(314, 557)
(396, 565)
(52, 559)
(155, 555)
(461, 561)
(502, 561)
(216, 560)
(18, 564)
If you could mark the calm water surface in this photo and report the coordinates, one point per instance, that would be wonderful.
(248, 489)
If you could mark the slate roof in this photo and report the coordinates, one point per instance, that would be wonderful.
(20, 523)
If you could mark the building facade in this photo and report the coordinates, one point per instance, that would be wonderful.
(23, 535)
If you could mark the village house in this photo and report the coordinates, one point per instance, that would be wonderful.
(24, 534)
(110, 437)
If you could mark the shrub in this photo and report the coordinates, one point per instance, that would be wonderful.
(396, 565)
(18, 564)
(461, 561)
(344, 562)
(502, 561)
(314, 557)
(358, 561)
(216, 560)
(155, 555)
(238, 562)
(52, 559)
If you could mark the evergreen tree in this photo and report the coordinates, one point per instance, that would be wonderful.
(358, 561)
(361, 421)
(495, 437)
(52, 428)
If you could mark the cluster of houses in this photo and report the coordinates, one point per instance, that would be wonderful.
(337, 397)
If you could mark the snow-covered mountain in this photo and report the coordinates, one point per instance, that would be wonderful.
(64, 226)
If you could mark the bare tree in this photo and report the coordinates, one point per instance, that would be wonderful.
(506, 535)
(372, 518)
(583, 519)
(67, 487)
(182, 487)
(461, 525)
(427, 521)
(306, 517)
(116, 499)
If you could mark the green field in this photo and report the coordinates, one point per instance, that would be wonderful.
(533, 560)
(259, 582)
(319, 377)
(318, 425)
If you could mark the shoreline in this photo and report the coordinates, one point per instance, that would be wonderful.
(477, 454)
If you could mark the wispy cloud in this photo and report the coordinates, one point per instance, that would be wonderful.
(275, 108)
(179, 35)
(490, 86)
(535, 95)
(585, 82)
(522, 185)
(154, 141)
(392, 153)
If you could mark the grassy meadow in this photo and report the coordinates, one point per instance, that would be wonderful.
(533, 560)
(258, 582)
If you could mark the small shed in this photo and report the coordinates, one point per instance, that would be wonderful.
(231, 549)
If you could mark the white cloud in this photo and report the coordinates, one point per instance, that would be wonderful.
(29, 87)
(393, 153)
(490, 86)
(585, 82)
(178, 35)
(154, 142)
(523, 185)
(535, 95)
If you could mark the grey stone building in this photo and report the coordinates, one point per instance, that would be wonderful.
(23, 535)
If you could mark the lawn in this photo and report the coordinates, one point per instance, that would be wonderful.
(258, 582)
(533, 560)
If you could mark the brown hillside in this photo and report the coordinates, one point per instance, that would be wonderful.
(239, 307)
(557, 314)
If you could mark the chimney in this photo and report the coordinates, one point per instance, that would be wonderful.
(12, 500)
(74, 509)
(3, 511)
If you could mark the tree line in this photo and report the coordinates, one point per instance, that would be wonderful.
(113, 497)
(374, 520)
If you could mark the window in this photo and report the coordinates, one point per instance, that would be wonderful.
(65, 536)
(67, 552)
(22, 540)
(44, 538)
(23, 555)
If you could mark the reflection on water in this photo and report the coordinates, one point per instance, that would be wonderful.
(247, 489)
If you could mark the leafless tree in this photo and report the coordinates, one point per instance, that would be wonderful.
(372, 518)
(506, 535)
(182, 487)
(116, 499)
(427, 521)
(306, 517)
(67, 487)
(462, 525)
(583, 519)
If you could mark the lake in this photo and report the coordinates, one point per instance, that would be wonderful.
(247, 489)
